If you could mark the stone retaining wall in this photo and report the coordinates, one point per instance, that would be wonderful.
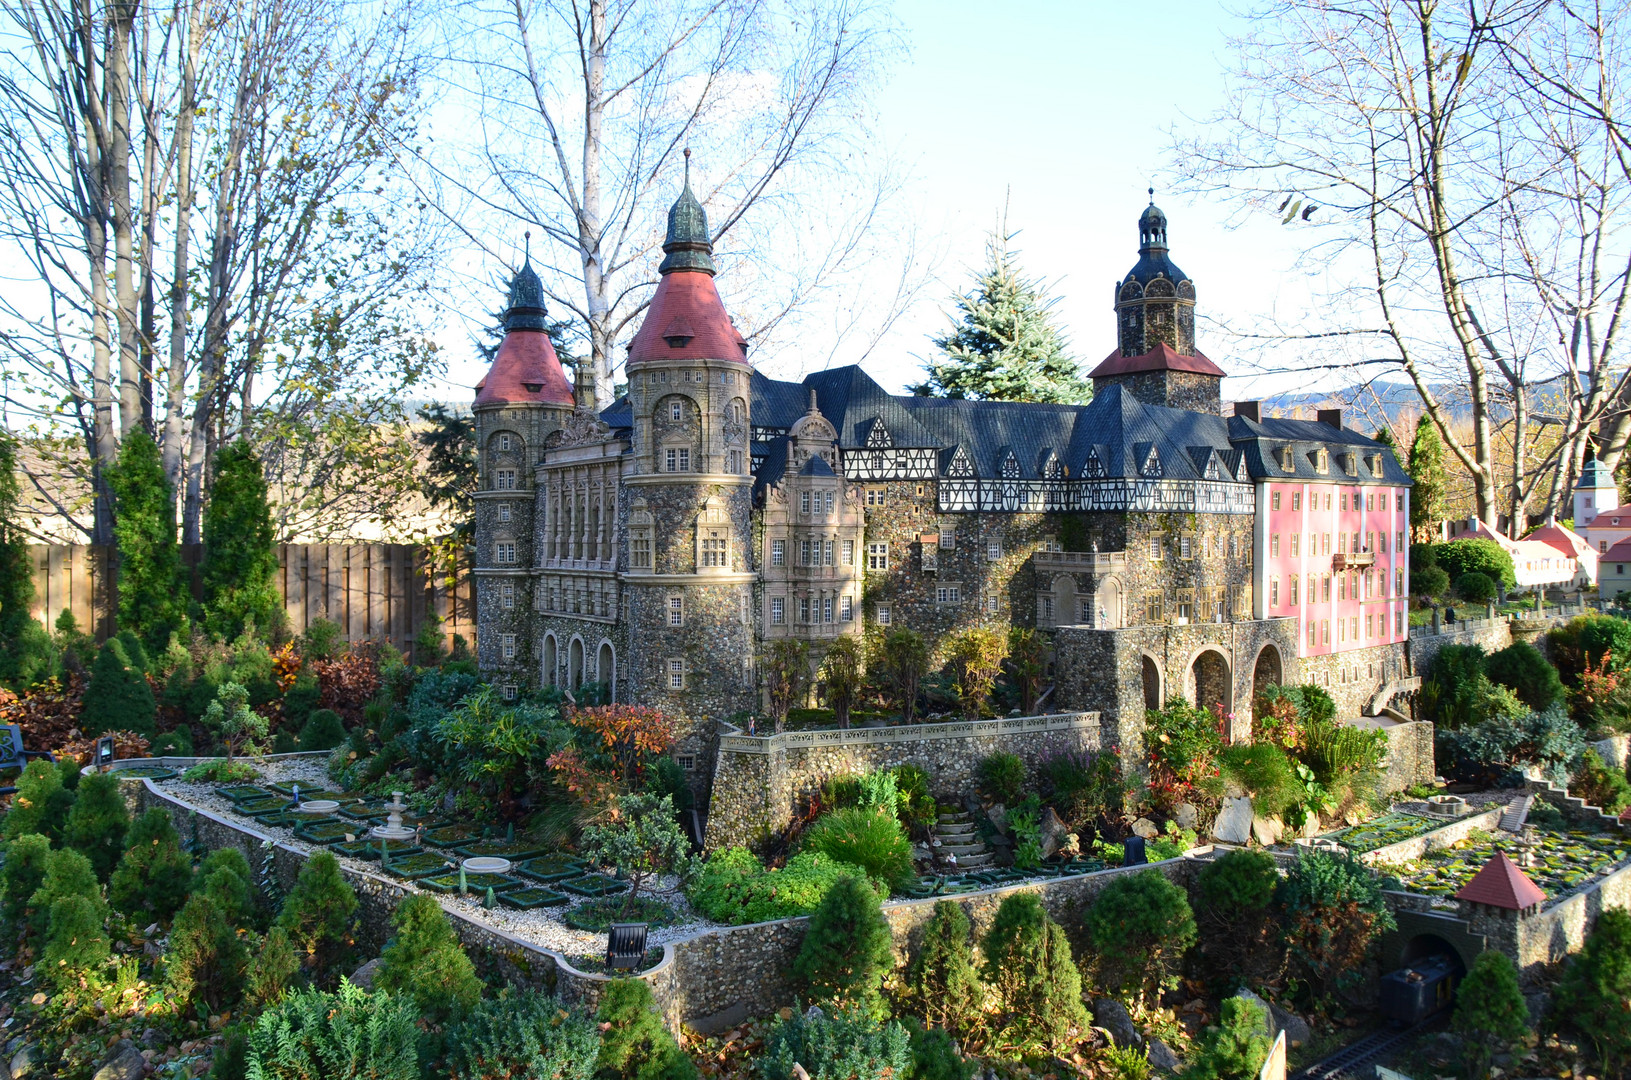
(1451, 833)
(759, 780)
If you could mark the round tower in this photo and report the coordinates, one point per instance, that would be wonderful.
(524, 397)
(689, 554)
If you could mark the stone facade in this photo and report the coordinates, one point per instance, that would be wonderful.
(760, 780)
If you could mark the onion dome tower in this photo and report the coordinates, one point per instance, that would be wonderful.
(523, 398)
(1156, 358)
(690, 559)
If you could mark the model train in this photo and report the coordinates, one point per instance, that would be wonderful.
(1412, 994)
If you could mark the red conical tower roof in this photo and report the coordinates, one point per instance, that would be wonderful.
(526, 370)
(1501, 884)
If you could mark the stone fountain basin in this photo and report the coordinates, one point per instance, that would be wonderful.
(487, 865)
(318, 806)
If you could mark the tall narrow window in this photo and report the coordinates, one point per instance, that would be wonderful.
(1274, 546)
(778, 610)
(676, 674)
(640, 550)
(1296, 538)
(778, 552)
(506, 595)
(829, 503)
(506, 644)
(676, 611)
(884, 615)
(849, 552)
(804, 553)
(804, 609)
(804, 502)
(1274, 591)
(826, 609)
(846, 609)
(826, 553)
(1296, 500)
(503, 511)
(1293, 594)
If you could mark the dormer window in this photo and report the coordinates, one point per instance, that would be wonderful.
(532, 388)
(1376, 464)
(1350, 463)
(677, 341)
(1288, 462)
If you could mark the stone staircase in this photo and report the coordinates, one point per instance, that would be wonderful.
(1575, 808)
(955, 835)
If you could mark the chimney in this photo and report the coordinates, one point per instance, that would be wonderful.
(1247, 410)
(1331, 416)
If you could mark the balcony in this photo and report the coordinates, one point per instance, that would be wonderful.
(1103, 562)
(1353, 560)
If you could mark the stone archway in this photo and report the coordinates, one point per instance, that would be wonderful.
(574, 665)
(552, 662)
(1209, 682)
(1268, 671)
(1108, 605)
(606, 669)
(1426, 946)
(1152, 683)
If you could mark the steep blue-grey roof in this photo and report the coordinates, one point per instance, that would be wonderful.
(989, 430)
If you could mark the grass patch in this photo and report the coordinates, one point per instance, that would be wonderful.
(597, 916)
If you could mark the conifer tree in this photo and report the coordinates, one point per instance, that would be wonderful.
(634, 1044)
(118, 697)
(1140, 925)
(1427, 506)
(67, 873)
(75, 941)
(151, 881)
(846, 951)
(942, 979)
(1005, 346)
(97, 824)
(21, 874)
(1029, 967)
(24, 647)
(424, 959)
(240, 565)
(206, 958)
(1489, 1010)
(271, 968)
(317, 912)
(1236, 1047)
(1596, 987)
(41, 804)
(152, 593)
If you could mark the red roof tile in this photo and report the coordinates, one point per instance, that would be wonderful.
(1161, 358)
(686, 310)
(1501, 884)
(1620, 552)
(1565, 540)
(526, 360)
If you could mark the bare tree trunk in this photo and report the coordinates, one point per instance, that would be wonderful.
(175, 404)
(122, 14)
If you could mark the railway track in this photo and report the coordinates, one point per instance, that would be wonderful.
(1357, 1054)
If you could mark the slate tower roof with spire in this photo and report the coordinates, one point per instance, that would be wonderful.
(525, 370)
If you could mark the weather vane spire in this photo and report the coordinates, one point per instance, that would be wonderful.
(687, 166)
(1152, 196)
(526, 240)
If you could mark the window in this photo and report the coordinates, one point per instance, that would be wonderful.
(877, 556)
(1155, 548)
(826, 609)
(882, 613)
(804, 553)
(504, 442)
(875, 496)
(506, 644)
(1370, 503)
(1353, 625)
(1313, 633)
(640, 550)
(1325, 631)
(503, 511)
(1368, 617)
(1296, 500)
(1086, 608)
(508, 691)
(992, 602)
(505, 552)
(1398, 622)
(1342, 587)
(1398, 540)
(1345, 502)
(1342, 630)
(846, 609)
(1398, 581)
(826, 553)
(778, 610)
(676, 674)
(506, 595)
(678, 459)
(1185, 548)
(804, 609)
(948, 594)
(948, 537)
(1370, 538)
(676, 611)
(1602, 547)
(804, 502)
(829, 503)
(1355, 546)
(1293, 594)
(675, 412)
(778, 553)
(849, 552)
(1274, 546)
(1295, 540)
(1274, 591)
(1152, 608)
(504, 480)
(1274, 501)
(993, 549)
(736, 461)
(715, 549)
(1047, 610)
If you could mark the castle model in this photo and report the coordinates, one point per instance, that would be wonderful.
(658, 545)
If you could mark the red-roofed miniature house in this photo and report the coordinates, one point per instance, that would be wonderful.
(1501, 884)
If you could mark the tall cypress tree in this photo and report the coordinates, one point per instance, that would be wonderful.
(152, 598)
(240, 566)
(16, 573)
(1427, 470)
(1005, 346)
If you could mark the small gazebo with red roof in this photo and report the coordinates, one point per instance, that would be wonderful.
(1501, 884)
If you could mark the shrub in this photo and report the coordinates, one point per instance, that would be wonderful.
(1597, 984)
(869, 839)
(935, 1057)
(270, 969)
(1431, 582)
(1334, 912)
(151, 881)
(240, 564)
(1589, 639)
(635, 1045)
(317, 912)
(41, 803)
(1183, 744)
(840, 1046)
(786, 666)
(1236, 1047)
(1489, 1010)
(348, 1035)
(1473, 555)
(322, 640)
(1237, 938)
(232, 720)
(231, 895)
(300, 701)
(913, 803)
(495, 746)
(733, 887)
(75, 942)
(97, 823)
(1600, 785)
(1126, 1062)
(230, 1061)
(67, 873)
(117, 697)
(974, 657)
(1521, 667)
(523, 1035)
(1027, 664)
(846, 950)
(1265, 772)
(425, 960)
(1496, 747)
(1475, 588)
(642, 840)
(135, 651)
(941, 981)
(22, 872)
(1083, 787)
(841, 677)
(206, 959)
(177, 743)
(1002, 778)
(1030, 971)
(1140, 925)
(323, 730)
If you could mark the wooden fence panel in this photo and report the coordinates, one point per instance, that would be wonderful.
(373, 591)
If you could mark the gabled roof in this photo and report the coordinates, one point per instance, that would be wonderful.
(1620, 552)
(1605, 519)
(1161, 358)
(1562, 538)
(1501, 884)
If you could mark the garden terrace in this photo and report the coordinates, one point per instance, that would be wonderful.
(1564, 862)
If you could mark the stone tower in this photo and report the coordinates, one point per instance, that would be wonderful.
(690, 557)
(1155, 357)
(1595, 492)
(524, 397)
